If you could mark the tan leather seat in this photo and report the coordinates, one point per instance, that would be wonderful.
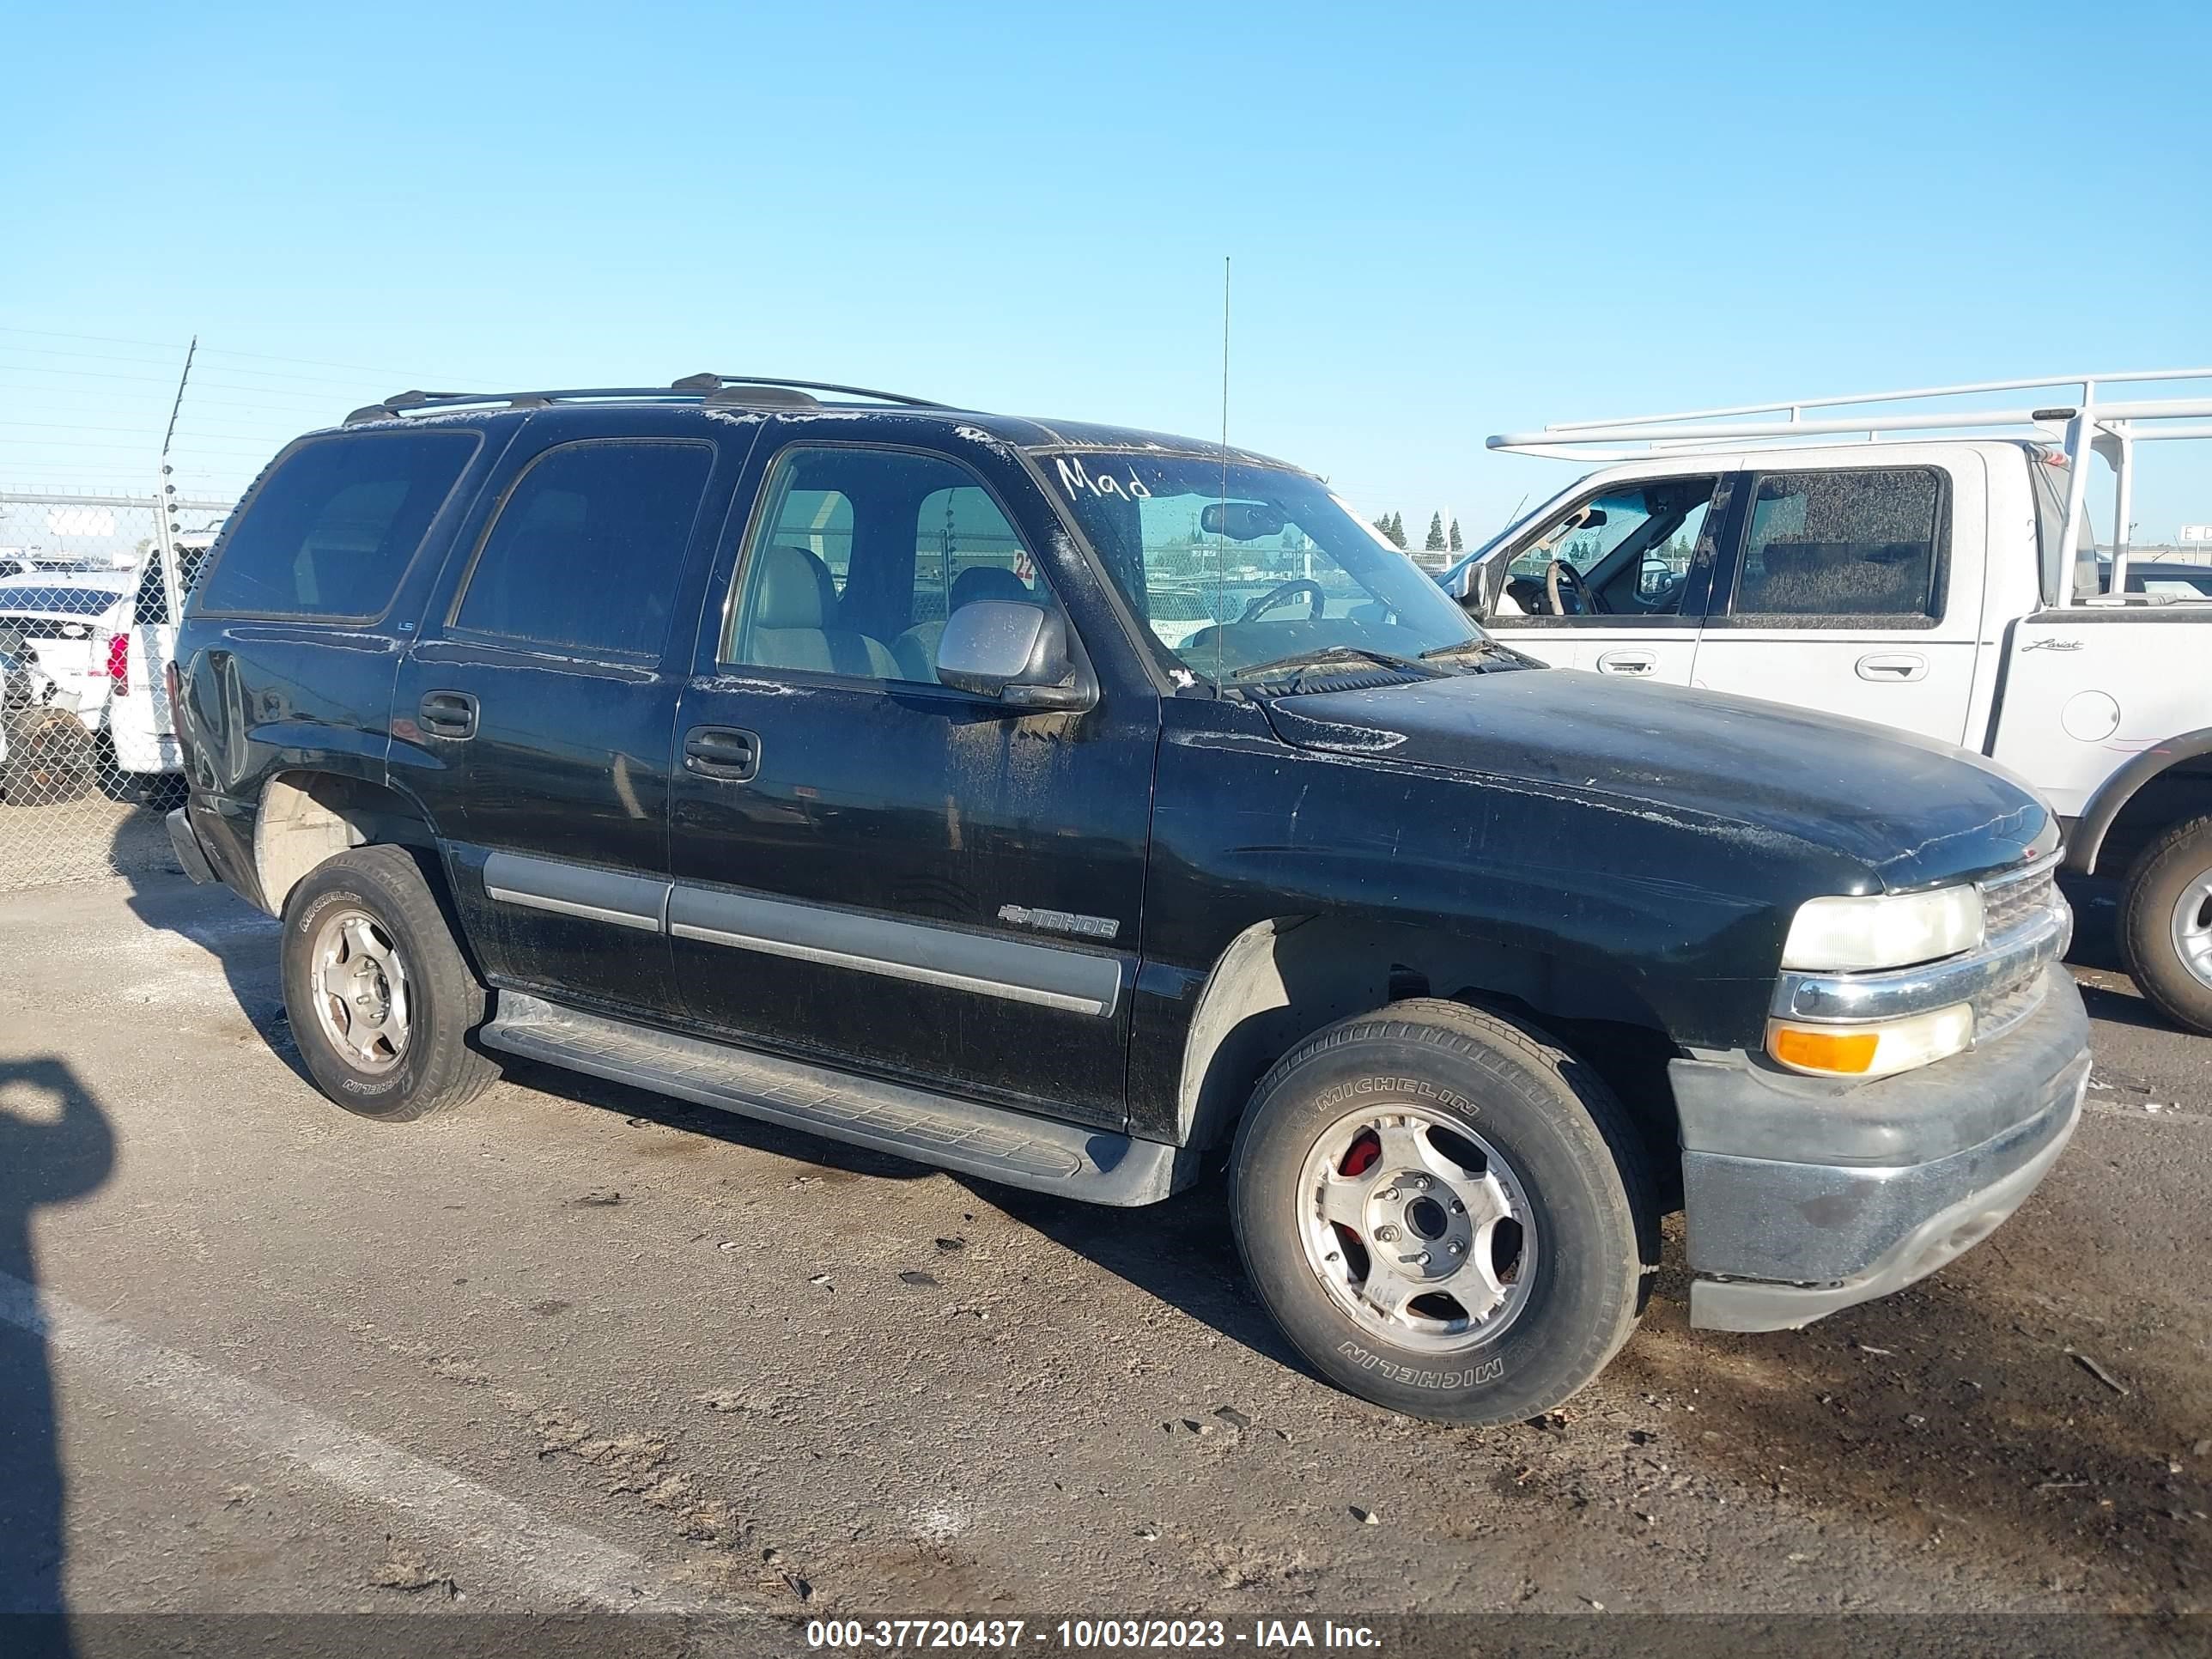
(794, 605)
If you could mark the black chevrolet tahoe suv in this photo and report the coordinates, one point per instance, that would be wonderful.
(1071, 807)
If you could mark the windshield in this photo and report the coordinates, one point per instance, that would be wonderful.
(1238, 569)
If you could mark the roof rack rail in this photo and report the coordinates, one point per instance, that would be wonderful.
(713, 389)
(711, 383)
(2091, 422)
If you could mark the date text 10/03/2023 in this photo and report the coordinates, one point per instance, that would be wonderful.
(1087, 1635)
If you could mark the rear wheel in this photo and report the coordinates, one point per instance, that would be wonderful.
(1446, 1211)
(2166, 923)
(380, 1002)
(51, 757)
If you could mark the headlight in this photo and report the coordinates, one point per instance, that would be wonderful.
(1877, 1049)
(1886, 930)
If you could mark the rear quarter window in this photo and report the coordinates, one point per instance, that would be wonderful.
(332, 529)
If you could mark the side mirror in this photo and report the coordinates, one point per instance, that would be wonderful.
(1018, 654)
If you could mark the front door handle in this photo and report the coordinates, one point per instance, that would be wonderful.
(1627, 662)
(449, 715)
(723, 752)
(1900, 666)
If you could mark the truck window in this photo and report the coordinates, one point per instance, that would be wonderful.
(588, 547)
(331, 530)
(1864, 542)
(1631, 543)
(921, 537)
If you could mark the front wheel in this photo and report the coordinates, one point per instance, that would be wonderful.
(2165, 924)
(1447, 1213)
(381, 1000)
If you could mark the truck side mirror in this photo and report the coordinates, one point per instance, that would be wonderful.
(1015, 652)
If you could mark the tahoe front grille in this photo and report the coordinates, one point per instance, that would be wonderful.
(2010, 901)
(2014, 905)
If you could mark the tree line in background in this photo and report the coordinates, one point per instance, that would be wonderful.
(1439, 540)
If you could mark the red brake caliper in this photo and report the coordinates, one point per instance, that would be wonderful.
(1365, 1150)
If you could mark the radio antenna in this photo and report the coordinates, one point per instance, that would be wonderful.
(1221, 534)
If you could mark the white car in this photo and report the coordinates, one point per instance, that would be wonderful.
(86, 702)
(63, 631)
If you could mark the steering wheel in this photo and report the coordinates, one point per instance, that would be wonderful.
(1284, 593)
(1561, 578)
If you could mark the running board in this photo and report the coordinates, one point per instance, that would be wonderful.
(1097, 1166)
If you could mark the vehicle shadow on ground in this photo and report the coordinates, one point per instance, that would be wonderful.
(839, 1161)
(2123, 1008)
(1179, 1251)
(2096, 946)
(241, 937)
(57, 1145)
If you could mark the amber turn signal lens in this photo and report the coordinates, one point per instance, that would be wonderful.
(1879, 1049)
(1843, 1052)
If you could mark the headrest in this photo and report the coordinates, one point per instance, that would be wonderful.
(987, 581)
(795, 590)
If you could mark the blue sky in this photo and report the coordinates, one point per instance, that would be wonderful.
(1445, 221)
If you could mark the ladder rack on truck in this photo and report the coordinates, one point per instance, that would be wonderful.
(2093, 418)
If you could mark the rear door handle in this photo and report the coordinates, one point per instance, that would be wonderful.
(722, 751)
(1895, 665)
(449, 715)
(1627, 662)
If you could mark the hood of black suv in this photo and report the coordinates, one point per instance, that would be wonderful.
(1914, 812)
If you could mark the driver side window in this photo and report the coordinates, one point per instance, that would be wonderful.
(860, 555)
(1622, 554)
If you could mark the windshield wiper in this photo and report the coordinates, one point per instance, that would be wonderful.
(1298, 660)
(1479, 646)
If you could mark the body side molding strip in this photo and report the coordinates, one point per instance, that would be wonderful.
(577, 890)
(1046, 976)
(1049, 977)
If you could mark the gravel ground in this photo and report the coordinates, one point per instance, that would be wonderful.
(583, 1348)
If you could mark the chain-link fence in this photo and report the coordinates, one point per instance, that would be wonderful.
(89, 588)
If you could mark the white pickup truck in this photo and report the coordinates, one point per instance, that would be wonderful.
(1944, 583)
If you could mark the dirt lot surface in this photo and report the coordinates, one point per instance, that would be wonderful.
(582, 1347)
